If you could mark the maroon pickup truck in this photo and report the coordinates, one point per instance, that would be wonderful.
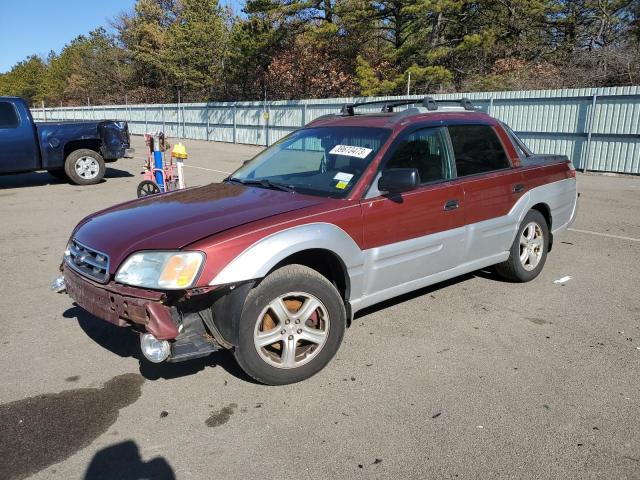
(349, 211)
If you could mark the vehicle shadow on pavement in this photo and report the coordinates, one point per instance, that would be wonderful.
(125, 343)
(117, 173)
(123, 461)
(39, 179)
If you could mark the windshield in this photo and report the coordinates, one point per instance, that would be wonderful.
(325, 161)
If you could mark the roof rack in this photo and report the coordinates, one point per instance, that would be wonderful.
(388, 105)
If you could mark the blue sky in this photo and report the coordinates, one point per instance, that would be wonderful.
(38, 26)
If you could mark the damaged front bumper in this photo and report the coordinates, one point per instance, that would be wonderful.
(186, 334)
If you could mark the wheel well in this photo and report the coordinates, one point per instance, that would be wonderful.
(74, 145)
(328, 264)
(544, 209)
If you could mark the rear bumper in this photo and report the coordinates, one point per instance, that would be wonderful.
(123, 306)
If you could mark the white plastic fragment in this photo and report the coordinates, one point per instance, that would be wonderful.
(562, 280)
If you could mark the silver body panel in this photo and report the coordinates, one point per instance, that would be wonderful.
(257, 260)
(380, 273)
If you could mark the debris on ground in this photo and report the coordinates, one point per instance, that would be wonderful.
(163, 413)
(562, 280)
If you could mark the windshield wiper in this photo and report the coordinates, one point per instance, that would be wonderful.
(262, 182)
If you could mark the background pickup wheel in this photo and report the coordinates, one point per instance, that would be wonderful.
(292, 325)
(84, 167)
(529, 250)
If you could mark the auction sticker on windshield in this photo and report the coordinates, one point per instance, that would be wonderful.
(350, 151)
(345, 177)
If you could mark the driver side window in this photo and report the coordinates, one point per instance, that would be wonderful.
(424, 150)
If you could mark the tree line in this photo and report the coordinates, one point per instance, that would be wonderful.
(199, 50)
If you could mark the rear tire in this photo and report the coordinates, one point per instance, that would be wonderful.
(528, 252)
(292, 325)
(84, 167)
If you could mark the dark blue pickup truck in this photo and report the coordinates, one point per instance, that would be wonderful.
(76, 150)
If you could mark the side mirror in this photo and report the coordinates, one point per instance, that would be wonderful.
(398, 180)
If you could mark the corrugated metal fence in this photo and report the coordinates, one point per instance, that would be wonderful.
(598, 128)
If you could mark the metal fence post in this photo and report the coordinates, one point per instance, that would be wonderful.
(304, 114)
(178, 119)
(266, 127)
(587, 155)
(183, 122)
(235, 123)
(146, 122)
(490, 109)
(164, 126)
(208, 123)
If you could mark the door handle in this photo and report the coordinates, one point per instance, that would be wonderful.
(451, 205)
(518, 188)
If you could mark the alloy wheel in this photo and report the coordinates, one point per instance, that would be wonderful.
(291, 330)
(531, 246)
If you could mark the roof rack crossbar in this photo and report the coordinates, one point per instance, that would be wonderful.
(463, 102)
(388, 105)
(348, 108)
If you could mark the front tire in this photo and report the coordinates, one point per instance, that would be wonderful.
(528, 252)
(84, 167)
(292, 325)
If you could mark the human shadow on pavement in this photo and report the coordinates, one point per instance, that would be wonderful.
(125, 343)
(123, 461)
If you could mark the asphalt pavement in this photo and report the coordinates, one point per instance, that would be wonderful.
(472, 378)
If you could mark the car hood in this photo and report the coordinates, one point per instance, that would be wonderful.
(173, 220)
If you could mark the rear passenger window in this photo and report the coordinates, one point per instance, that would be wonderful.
(477, 149)
(521, 148)
(424, 150)
(8, 116)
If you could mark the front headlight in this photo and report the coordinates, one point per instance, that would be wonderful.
(161, 270)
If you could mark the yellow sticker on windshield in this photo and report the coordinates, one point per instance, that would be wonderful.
(342, 185)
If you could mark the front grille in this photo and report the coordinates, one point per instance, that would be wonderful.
(87, 261)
